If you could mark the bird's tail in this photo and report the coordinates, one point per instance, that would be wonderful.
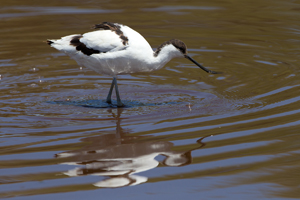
(49, 42)
(63, 44)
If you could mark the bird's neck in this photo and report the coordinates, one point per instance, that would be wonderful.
(164, 55)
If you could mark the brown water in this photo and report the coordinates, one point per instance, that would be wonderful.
(184, 134)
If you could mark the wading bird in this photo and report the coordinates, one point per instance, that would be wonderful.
(115, 49)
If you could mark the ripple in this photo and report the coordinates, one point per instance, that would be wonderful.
(102, 103)
(37, 11)
(183, 134)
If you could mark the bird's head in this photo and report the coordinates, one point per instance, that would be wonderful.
(182, 52)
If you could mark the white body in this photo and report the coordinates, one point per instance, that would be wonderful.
(136, 56)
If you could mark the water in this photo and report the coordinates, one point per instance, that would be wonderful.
(183, 134)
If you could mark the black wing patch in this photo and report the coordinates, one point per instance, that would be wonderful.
(82, 47)
(113, 27)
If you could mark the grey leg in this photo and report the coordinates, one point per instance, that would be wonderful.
(108, 98)
(119, 103)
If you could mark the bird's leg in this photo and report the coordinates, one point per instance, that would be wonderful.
(119, 103)
(108, 98)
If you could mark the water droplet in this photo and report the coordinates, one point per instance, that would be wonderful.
(33, 85)
(34, 69)
(190, 108)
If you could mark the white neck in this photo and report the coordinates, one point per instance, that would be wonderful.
(167, 53)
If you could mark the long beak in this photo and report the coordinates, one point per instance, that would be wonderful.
(205, 69)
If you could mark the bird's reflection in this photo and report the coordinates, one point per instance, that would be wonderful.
(119, 156)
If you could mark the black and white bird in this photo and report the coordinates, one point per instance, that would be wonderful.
(114, 49)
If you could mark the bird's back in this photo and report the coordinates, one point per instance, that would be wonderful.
(113, 49)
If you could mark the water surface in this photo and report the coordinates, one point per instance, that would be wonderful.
(183, 134)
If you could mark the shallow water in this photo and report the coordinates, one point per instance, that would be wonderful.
(183, 134)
